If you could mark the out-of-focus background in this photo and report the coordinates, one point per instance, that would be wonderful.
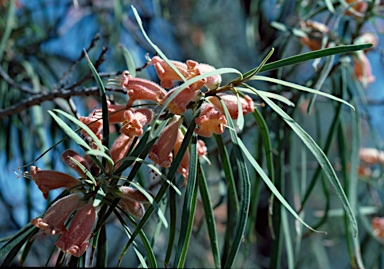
(43, 40)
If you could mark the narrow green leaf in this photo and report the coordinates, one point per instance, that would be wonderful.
(129, 61)
(209, 216)
(156, 48)
(20, 237)
(82, 126)
(85, 170)
(189, 208)
(72, 134)
(171, 174)
(320, 156)
(102, 248)
(329, 5)
(103, 98)
(244, 191)
(157, 171)
(172, 227)
(229, 177)
(300, 58)
(270, 185)
(99, 197)
(150, 255)
(271, 95)
(323, 76)
(96, 152)
(301, 88)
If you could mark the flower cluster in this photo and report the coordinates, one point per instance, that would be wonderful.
(77, 207)
(211, 120)
(74, 216)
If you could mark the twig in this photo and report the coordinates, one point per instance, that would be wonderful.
(11, 82)
(49, 96)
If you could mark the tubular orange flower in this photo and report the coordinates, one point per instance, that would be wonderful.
(48, 180)
(76, 240)
(231, 101)
(116, 113)
(178, 105)
(371, 156)
(132, 201)
(57, 214)
(120, 148)
(316, 31)
(196, 69)
(166, 74)
(363, 70)
(357, 8)
(201, 148)
(377, 225)
(66, 158)
(141, 89)
(210, 121)
(135, 120)
(94, 123)
(161, 152)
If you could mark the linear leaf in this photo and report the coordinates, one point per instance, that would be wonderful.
(189, 208)
(320, 156)
(209, 216)
(300, 58)
(244, 191)
(68, 130)
(82, 126)
(301, 88)
(129, 61)
(103, 98)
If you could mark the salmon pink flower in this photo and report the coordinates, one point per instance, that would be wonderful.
(132, 201)
(141, 89)
(201, 148)
(196, 69)
(48, 180)
(135, 120)
(53, 220)
(120, 148)
(315, 32)
(76, 240)
(377, 225)
(356, 8)
(66, 158)
(161, 152)
(178, 105)
(371, 156)
(363, 70)
(116, 113)
(166, 74)
(95, 123)
(210, 121)
(231, 101)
